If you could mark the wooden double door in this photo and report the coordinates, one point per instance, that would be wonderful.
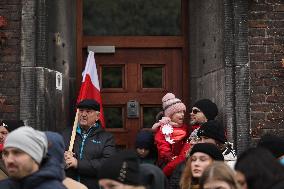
(134, 76)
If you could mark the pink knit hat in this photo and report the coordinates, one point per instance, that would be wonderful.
(171, 104)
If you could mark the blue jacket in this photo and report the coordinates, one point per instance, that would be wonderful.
(91, 150)
(49, 176)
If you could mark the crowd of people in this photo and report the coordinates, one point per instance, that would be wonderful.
(172, 155)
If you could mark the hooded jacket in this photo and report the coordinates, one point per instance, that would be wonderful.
(49, 176)
(56, 150)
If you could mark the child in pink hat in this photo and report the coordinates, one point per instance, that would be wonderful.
(171, 132)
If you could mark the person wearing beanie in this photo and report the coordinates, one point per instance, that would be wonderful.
(92, 145)
(6, 126)
(27, 163)
(201, 156)
(171, 133)
(145, 148)
(122, 170)
(213, 132)
(207, 108)
(202, 111)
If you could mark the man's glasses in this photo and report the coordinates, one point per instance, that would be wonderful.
(195, 111)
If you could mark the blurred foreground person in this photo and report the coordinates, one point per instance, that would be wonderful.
(121, 171)
(56, 149)
(218, 175)
(274, 144)
(201, 156)
(24, 155)
(152, 176)
(260, 169)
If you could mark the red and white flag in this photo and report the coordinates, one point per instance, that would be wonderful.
(90, 88)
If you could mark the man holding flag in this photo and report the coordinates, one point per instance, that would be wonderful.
(91, 143)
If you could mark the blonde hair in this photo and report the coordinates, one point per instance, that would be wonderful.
(219, 171)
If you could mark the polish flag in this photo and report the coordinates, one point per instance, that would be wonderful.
(90, 88)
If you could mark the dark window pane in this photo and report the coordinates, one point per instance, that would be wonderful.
(113, 117)
(152, 77)
(112, 77)
(149, 114)
(128, 17)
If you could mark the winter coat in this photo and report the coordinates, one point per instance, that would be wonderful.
(49, 176)
(170, 145)
(91, 150)
(170, 167)
(176, 175)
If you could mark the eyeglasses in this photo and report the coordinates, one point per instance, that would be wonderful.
(195, 111)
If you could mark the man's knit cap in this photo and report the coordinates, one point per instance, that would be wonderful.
(212, 129)
(30, 141)
(208, 108)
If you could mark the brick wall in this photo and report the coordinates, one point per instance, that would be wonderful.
(10, 59)
(266, 52)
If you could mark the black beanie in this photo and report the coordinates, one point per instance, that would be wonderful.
(208, 108)
(144, 139)
(209, 149)
(272, 143)
(122, 167)
(11, 125)
(212, 129)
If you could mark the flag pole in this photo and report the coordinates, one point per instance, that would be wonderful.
(71, 144)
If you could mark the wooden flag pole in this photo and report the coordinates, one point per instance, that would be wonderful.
(71, 144)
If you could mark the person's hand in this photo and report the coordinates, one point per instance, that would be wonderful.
(70, 160)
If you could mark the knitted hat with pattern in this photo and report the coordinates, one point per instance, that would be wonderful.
(171, 104)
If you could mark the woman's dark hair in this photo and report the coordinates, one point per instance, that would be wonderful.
(260, 168)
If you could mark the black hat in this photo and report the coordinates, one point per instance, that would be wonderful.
(209, 149)
(272, 143)
(208, 108)
(212, 129)
(11, 125)
(122, 167)
(89, 104)
(144, 139)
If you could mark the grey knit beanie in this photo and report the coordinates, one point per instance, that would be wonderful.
(29, 140)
